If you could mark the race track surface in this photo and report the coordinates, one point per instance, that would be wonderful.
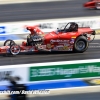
(49, 10)
(93, 52)
(83, 96)
(35, 11)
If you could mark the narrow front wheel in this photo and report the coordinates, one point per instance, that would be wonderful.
(14, 49)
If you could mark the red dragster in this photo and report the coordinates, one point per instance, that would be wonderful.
(69, 38)
(92, 4)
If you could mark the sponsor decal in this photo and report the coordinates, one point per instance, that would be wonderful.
(66, 44)
(49, 46)
(42, 35)
(29, 49)
(61, 48)
(59, 41)
(65, 72)
(2, 29)
(65, 47)
(41, 46)
(72, 41)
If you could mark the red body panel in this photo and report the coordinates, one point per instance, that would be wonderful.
(4, 49)
(91, 3)
(35, 28)
(65, 36)
(54, 39)
(57, 41)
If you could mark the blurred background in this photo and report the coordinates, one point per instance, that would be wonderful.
(15, 14)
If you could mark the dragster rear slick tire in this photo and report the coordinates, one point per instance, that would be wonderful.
(81, 44)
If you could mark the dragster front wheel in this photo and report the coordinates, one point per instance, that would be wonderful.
(14, 49)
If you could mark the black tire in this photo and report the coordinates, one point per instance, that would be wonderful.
(7, 41)
(84, 44)
(12, 48)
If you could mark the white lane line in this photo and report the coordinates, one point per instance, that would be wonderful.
(94, 46)
(94, 43)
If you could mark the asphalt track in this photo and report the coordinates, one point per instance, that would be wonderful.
(47, 10)
(83, 96)
(36, 11)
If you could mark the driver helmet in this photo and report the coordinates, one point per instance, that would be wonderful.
(73, 26)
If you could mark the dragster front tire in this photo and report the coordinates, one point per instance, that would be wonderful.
(14, 49)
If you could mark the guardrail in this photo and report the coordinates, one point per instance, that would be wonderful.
(17, 31)
(52, 75)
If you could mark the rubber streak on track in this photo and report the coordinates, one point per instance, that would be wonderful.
(47, 10)
(92, 53)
